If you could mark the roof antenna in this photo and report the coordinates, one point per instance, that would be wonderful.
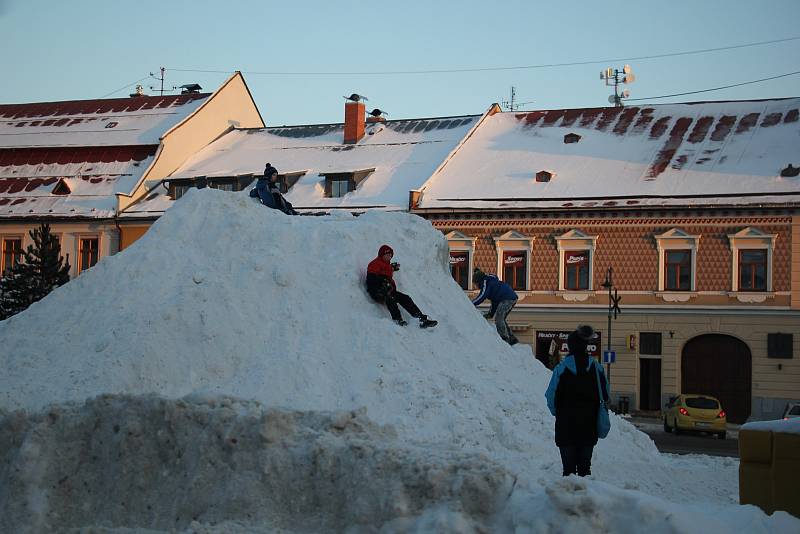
(615, 77)
(512, 104)
(161, 79)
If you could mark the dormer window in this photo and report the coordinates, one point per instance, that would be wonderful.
(544, 176)
(571, 138)
(338, 184)
(61, 188)
(286, 181)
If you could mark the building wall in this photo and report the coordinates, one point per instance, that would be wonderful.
(231, 106)
(70, 234)
(628, 244)
(130, 234)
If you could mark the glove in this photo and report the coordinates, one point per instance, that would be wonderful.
(395, 266)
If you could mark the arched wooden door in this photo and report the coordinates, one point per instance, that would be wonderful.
(720, 366)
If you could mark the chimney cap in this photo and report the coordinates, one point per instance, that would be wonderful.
(190, 88)
(377, 112)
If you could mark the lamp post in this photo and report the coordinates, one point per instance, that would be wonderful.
(613, 306)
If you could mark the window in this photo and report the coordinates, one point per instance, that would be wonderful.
(459, 267)
(462, 248)
(575, 256)
(515, 269)
(576, 269)
(650, 343)
(339, 188)
(514, 258)
(702, 403)
(88, 252)
(180, 190)
(779, 345)
(752, 270)
(286, 181)
(337, 184)
(751, 251)
(223, 186)
(12, 253)
(677, 257)
(678, 270)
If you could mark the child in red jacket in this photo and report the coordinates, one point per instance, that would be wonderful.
(381, 287)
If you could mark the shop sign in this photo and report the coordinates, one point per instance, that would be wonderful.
(558, 342)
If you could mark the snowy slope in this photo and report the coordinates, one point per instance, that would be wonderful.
(225, 297)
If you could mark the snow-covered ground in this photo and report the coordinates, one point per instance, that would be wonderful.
(223, 303)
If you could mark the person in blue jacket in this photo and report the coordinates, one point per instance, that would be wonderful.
(269, 194)
(502, 297)
(573, 398)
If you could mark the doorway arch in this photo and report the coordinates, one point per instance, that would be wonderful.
(720, 366)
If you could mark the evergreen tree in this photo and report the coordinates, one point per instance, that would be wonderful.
(41, 270)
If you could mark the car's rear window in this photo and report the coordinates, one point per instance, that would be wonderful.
(702, 403)
(795, 410)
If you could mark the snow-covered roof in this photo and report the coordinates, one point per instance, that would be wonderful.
(404, 153)
(96, 147)
(705, 153)
(106, 122)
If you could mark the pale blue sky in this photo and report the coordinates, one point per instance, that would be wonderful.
(80, 49)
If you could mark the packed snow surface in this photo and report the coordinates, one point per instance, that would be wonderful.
(224, 299)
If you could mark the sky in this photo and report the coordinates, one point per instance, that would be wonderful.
(300, 58)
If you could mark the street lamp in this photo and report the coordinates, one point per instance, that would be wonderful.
(613, 307)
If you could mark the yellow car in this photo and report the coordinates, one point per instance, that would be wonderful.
(701, 413)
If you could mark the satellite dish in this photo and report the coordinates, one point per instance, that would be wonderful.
(629, 78)
(602, 75)
(627, 69)
(626, 93)
(612, 99)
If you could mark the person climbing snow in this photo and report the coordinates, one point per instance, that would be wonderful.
(381, 287)
(269, 194)
(502, 297)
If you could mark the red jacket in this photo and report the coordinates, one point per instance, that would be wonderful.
(382, 267)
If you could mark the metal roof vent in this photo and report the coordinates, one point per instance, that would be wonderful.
(790, 172)
(571, 138)
(544, 176)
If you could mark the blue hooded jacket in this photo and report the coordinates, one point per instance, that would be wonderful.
(495, 290)
(568, 363)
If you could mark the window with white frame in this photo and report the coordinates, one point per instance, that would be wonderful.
(514, 259)
(751, 256)
(462, 250)
(677, 260)
(576, 261)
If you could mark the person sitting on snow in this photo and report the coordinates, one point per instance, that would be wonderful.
(381, 287)
(268, 192)
(503, 298)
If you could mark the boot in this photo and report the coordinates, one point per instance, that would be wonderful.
(401, 322)
(425, 322)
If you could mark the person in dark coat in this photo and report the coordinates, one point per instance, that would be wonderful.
(573, 398)
(381, 287)
(269, 194)
(502, 297)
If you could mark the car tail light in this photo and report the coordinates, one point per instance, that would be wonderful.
(721, 414)
(684, 411)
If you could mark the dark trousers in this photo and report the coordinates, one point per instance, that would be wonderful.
(395, 298)
(577, 460)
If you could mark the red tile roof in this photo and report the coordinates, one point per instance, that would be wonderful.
(90, 107)
(65, 155)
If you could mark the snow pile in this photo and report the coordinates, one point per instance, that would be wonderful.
(223, 297)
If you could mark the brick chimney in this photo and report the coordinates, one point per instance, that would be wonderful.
(354, 113)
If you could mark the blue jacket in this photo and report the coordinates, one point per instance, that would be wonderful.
(568, 364)
(270, 196)
(496, 291)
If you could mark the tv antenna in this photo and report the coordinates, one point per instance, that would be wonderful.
(512, 104)
(615, 77)
(163, 70)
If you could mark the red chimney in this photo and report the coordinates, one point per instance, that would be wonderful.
(353, 122)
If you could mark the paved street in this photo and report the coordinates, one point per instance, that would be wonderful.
(688, 443)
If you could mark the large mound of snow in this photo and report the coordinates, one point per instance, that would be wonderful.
(225, 297)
